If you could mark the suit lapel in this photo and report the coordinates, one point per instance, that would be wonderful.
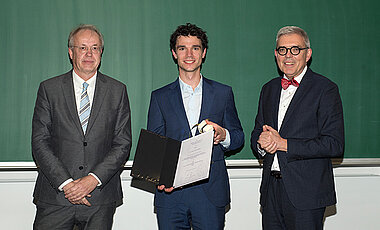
(208, 95)
(69, 94)
(276, 99)
(175, 98)
(303, 88)
(99, 95)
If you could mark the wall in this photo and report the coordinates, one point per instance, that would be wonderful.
(344, 36)
(358, 190)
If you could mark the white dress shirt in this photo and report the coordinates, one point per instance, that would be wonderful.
(285, 99)
(78, 88)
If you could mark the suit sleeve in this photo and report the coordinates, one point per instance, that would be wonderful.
(232, 123)
(121, 143)
(42, 146)
(156, 122)
(258, 129)
(330, 141)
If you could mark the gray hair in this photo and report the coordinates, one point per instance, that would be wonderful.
(70, 41)
(293, 30)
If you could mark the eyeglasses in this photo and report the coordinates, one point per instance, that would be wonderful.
(295, 50)
(85, 49)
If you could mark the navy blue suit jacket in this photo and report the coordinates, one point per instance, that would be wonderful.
(313, 127)
(167, 117)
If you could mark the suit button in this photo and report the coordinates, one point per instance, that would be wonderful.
(84, 143)
(80, 167)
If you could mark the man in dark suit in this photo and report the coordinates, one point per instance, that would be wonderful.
(81, 139)
(174, 110)
(298, 129)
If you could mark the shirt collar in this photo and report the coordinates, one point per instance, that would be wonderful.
(79, 81)
(188, 89)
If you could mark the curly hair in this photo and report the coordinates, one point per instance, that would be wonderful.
(188, 30)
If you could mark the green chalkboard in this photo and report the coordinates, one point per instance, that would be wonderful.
(344, 38)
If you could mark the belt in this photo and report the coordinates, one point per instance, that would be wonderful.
(276, 174)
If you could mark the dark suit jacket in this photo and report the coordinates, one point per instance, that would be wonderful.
(167, 117)
(313, 127)
(60, 148)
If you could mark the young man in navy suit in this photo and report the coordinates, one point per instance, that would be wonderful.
(298, 129)
(177, 107)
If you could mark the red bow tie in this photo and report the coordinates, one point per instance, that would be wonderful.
(285, 83)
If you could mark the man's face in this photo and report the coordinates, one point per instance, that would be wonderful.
(189, 53)
(292, 65)
(84, 56)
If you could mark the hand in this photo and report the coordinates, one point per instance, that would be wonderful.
(84, 201)
(77, 191)
(219, 132)
(162, 187)
(271, 141)
(266, 141)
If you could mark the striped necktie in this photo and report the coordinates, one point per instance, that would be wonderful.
(84, 109)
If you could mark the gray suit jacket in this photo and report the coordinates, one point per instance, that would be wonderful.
(60, 148)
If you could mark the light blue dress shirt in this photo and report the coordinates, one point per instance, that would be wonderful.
(192, 101)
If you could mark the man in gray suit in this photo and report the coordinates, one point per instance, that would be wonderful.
(81, 138)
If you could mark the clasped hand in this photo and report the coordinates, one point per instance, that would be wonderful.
(77, 191)
(271, 141)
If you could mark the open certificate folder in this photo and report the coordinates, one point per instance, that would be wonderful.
(164, 161)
